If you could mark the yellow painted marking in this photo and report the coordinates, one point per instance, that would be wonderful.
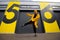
(43, 5)
(48, 15)
(9, 28)
(49, 27)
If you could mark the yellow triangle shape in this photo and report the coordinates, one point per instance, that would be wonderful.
(43, 5)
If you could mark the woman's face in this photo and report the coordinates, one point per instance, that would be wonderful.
(35, 11)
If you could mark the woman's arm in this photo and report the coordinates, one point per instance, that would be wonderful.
(28, 14)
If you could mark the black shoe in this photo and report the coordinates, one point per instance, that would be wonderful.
(35, 35)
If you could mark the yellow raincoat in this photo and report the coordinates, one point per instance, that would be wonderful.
(35, 20)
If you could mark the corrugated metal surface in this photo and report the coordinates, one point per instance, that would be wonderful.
(9, 0)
